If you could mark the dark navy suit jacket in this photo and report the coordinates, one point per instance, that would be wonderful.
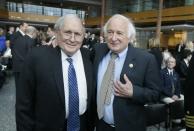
(166, 83)
(129, 113)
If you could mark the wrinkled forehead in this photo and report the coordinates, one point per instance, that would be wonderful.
(119, 21)
(118, 24)
(73, 25)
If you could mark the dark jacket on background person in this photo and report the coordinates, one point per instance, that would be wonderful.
(19, 51)
(189, 97)
(15, 36)
(158, 54)
(167, 83)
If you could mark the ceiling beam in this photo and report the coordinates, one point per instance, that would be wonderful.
(84, 2)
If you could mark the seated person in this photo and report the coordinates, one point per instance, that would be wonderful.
(7, 56)
(171, 82)
(2, 74)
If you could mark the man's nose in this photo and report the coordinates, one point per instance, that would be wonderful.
(72, 37)
(114, 37)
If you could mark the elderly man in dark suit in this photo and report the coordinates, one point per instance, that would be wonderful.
(56, 86)
(171, 82)
(20, 49)
(133, 81)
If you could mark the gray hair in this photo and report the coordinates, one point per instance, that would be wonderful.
(131, 27)
(60, 22)
(31, 30)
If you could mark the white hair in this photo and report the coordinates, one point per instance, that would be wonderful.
(31, 30)
(131, 27)
(60, 22)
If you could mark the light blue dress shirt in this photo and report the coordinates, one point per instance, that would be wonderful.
(108, 111)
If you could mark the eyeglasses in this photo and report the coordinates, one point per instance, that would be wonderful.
(69, 34)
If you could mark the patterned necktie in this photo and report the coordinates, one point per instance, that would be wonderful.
(106, 87)
(73, 121)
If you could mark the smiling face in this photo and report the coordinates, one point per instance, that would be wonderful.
(117, 35)
(171, 63)
(70, 36)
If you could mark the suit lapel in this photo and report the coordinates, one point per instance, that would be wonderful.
(58, 75)
(88, 73)
(129, 63)
(101, 51)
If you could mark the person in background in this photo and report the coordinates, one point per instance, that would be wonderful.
(180, 47)
(155, 50)
(165, 55)
(20, 49)
(19, 33)
(171, 82)
(9, 35)
(2, 74)
(184, 64)
(189, 46)
(42, 38)
(92, 41)
(51, 35)
(56, 85)
(189, 97)
(2, 42)
(7, 56)
(101, 40)
(127, 78)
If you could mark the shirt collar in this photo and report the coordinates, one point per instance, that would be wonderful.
(21, 32)
(121, 54)
(29, 35)
(186, 61)
(74, 57)
(170, 70)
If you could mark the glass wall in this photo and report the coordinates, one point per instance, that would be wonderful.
(42, 10)
(123, 6)
(52, 11)
(32, 9)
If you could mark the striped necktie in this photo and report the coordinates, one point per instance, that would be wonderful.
(73, 120)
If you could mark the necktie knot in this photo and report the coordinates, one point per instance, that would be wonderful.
(113, 56)
(70, 60)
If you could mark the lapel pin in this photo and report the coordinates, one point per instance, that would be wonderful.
(130, 65)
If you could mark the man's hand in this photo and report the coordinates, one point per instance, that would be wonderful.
(123, 90)
(175, 97)
(4, 67)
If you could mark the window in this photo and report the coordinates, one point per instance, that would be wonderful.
(35, 9)
(52, 11)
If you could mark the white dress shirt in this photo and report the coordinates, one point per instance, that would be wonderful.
(21, 32)
(170, 71)
(81, 81)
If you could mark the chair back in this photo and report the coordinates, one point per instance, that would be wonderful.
(156, 113)
(176, 109)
